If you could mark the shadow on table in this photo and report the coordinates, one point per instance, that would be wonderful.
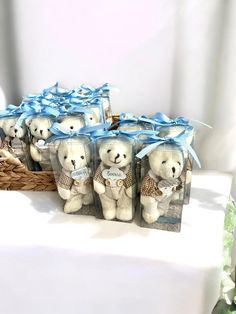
(207, 199)
(49, 202)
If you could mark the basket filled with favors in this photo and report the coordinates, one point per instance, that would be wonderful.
(118, 167)
(24, 130)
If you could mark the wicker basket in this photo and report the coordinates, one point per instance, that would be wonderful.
(15, 176)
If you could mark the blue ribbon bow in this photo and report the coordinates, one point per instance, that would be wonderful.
(61, 132)
(34, 108)
(129, 118)
(180, 140)
(12, 111)
(101, 90)
(162, 120)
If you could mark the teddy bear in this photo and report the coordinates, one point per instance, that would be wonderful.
(114, 180)
(75, 183)
(15, 139)
(173, 131)
(39, 128)
(71, 122)
(166, 163)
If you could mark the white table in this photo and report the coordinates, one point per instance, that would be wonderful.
(51, 262)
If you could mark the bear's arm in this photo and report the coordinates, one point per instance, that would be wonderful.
(149, 187)
(99, 181)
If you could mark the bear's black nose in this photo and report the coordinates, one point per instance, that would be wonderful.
(117, 156)
(15, 130)
(73, 162)
(41, 132)
(173, 169)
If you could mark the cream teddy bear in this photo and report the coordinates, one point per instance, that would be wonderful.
(15, 137)
(75, 182)
(114, 180)
(173, 131)
(164, 177)
(39, 127)
(72, 123)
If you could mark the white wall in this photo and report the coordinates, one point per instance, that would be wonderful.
(129, 44)
(164, 55)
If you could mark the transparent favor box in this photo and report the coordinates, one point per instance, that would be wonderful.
(162, 188)
(114, 179)
(72, 165)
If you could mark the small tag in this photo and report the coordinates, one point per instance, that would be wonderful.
(81, 174)
(113, 174)
(41, 144)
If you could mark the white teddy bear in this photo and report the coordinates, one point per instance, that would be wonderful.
(72, 123)
(39, 127)
(164, 177)
(75, 182)
(16, 138)
(114, 179)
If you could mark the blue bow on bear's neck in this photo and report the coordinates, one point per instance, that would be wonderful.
(180, 140)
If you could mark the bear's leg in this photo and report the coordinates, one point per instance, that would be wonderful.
(125, 208)
(88, 198)
(108, 207)
(73, 204)
(150, 212)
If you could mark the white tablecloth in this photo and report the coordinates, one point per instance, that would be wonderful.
(51, 262)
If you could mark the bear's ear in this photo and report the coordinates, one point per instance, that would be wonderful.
(1, 122)
(28, 121)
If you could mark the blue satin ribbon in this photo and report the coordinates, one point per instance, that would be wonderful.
(12, 111)
(71, 109)
(129, 118)
(180, 140)
(113, 133)
(36, 109)
(162, 120)
(101, 90)
(61, 132)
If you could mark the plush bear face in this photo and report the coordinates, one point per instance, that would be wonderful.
(10, 129)
(72, 123)
(92, 118)
(115, 152)
(40, 127)
(74, 154)
(166, 161)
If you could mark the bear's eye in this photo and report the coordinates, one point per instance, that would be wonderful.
(22, 127)
(124, 156)
(48, 129)
(164, 161)
(71, 127)
(11, 126)
(179, 163)
(108, 151)
(82, 157)
(91, 118)
(35, 130)
(65, 157)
